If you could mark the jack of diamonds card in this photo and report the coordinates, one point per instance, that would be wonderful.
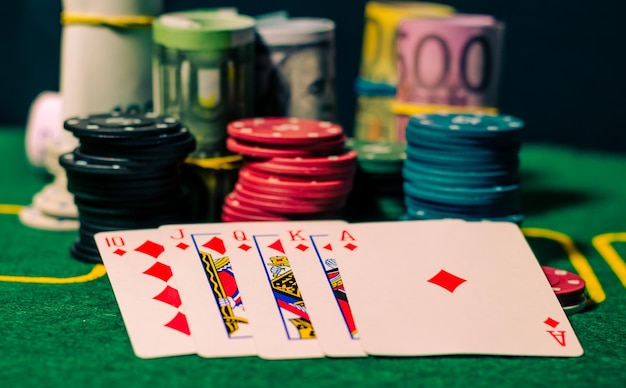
(216, 310)
(146, 292)
(450, 287)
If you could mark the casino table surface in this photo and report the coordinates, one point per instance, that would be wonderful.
(60, 324)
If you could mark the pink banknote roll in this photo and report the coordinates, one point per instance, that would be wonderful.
(450, 61)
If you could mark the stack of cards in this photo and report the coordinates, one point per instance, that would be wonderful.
(307, 289)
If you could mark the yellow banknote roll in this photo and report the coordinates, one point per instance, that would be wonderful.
(378, 60)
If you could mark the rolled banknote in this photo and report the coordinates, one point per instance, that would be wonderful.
(203, 72)
(105, 65)
(453, 61)
(106, 56)
(378, 58)
(301, 79)
(375, 121)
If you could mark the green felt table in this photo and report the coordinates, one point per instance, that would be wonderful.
(60, 324)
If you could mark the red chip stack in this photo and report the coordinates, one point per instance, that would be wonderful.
(293, 169)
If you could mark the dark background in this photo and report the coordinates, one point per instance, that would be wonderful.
(563, 70)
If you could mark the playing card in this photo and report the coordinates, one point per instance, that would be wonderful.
(146, 292)
(311, 256)
(208, 285)
(449, 287)
(276, 306)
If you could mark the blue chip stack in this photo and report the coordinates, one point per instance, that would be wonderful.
(462, 166)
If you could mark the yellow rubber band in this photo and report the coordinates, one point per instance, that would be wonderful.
(122, 21)
(408, 109)
(220, 163)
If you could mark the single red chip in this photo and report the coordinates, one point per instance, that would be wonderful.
(324, 172)
(568, 287)
(280, 208)
(291, 184)
(283, 204)
(267, 151)
(328, 202)
(235, 209)
(255, 187)
(562, 281)
(343, 158)
(284, 130)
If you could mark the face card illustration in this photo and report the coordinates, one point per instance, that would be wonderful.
(146, 292)
(277, 308)
(216, 312)
(311, 256)
(450, 287)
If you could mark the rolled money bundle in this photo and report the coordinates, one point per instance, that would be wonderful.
(378, 58)
(203, 72)
(375, 121)
(105, 65)
(301, 79)
(106, 57)
(453, 61)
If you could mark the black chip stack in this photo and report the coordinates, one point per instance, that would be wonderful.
(125, 174)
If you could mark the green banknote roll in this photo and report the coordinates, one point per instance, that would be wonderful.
(203, 72)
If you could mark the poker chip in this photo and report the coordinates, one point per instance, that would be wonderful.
(344, 158)
(116, 125)
(291, 184)
(463, 166)
(126, 174)
(378, 181)
(568, 287)
(56, 205)
(34, 218)
(280, 130)
(379, 157)
(474, 124)
(292, 169)
(266, 151)
(236, 209)
(322, 171)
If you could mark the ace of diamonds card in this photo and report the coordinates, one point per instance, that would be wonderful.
(420, 288)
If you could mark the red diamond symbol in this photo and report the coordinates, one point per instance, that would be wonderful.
(170, 296)
(551, 322)
(277, 245)
(350, 246)
(302, 247)
(446, 280)
(150, 248)
(217, 244)
(328, 247)
(120, 252)
(159, 271)
(182, 246)
(245, 247)
(179, 322)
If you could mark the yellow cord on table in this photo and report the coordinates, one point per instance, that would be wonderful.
(119, 21)
(96, 272)
(603, 244)
(576, 258)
